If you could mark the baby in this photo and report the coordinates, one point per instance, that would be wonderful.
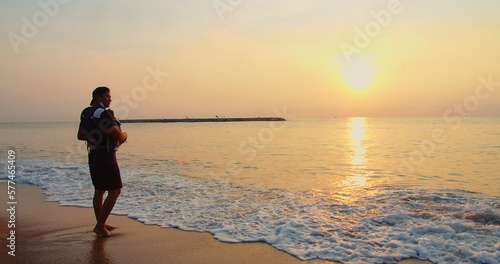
(118, 124)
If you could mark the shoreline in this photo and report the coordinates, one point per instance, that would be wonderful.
(46, 232)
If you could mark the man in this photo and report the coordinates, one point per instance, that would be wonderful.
(99, 128)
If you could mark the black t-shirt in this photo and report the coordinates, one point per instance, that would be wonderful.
(94, 122)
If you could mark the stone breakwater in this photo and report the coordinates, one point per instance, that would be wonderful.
(229, 119)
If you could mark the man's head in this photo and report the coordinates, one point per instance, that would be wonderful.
(101, 95)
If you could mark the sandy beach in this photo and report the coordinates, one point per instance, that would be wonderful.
(48, 233)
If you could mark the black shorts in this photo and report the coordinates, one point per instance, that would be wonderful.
(106, 178)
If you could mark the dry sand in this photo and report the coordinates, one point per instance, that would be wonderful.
(48, 233)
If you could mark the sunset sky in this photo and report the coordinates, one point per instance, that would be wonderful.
(201, 58)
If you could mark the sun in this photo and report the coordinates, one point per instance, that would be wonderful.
(358, 74)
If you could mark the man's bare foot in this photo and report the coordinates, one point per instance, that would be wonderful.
(102, 232)
(108, 227)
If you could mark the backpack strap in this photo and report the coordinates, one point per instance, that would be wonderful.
(98, 112)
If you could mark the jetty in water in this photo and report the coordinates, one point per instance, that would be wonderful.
(195, 120)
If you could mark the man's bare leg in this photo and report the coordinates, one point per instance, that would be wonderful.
(107, 207)
(97, 202)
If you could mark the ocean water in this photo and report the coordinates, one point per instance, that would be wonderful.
(354, 190)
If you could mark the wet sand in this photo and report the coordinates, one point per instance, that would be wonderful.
(48, 233)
